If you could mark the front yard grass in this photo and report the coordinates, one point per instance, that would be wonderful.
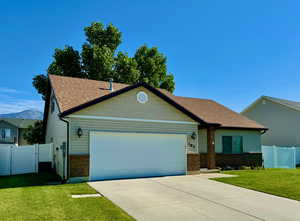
(25, 197)
(280, 182)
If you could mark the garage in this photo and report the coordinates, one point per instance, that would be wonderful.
(117, 155)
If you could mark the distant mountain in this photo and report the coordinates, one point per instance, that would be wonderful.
(26, 114)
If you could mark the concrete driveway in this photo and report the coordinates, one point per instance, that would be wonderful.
(194, 198)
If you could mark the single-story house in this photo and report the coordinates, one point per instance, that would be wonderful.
(105, 130)
(12, 131)
(282, 117)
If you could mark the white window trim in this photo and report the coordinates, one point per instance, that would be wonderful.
(130, 119)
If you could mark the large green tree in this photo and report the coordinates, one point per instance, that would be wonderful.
(66, 62)
(153, 68)
(99, 60)
(125, 69)
(34, 133)
(97, 34)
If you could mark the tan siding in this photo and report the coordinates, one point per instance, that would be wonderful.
(251, 139)
(81, 145)
(283, 123)
(126, 106)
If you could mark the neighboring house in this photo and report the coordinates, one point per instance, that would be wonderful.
(12, 130)
(282, 117)
(104, 130)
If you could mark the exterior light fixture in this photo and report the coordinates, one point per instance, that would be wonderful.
(193, 136)
(79, 132)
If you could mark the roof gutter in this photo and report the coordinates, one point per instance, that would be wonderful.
(243, 128)
(264, 131)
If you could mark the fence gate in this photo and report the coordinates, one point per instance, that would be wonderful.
(18, 160)
(280, 157)
(24, 160)
(5, 158)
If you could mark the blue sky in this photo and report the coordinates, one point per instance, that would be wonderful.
(229, 51)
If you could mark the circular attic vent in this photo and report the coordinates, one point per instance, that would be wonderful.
(142, 97)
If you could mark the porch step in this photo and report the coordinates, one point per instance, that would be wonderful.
(206, 170)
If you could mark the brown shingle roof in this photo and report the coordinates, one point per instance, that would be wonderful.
(71, 92)
(213, 112)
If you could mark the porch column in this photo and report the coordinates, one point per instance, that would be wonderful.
(211, 153)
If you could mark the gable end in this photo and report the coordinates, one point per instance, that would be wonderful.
(126, 89)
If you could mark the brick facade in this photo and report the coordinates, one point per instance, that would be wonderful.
(79, 165)
(193, 162)
(245, 159)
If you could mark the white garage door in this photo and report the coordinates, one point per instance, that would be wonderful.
(129, 155)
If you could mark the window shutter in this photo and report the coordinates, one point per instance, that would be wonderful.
(237, 144)
(227, 144)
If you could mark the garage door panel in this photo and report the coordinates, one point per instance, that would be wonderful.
(130, 173)
(126, 155)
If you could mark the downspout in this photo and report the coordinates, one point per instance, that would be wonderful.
(263, 131)
(66, 176)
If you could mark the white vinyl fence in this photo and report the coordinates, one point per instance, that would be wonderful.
(24, 159)
(280, 157)
(45, 152)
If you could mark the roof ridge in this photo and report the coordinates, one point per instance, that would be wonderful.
(269, 97)
(294, 105)
(99, 81)
(78, 78)
(195, 98)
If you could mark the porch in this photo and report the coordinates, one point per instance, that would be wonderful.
(215, 150)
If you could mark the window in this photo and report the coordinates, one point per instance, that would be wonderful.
(52, 104)
(2, 134)
(232, 144)
(5, 133)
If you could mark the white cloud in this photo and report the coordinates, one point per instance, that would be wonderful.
(11, 90)
(20, 105)
(6, 97)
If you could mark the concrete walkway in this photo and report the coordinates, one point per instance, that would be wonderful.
(194, 198)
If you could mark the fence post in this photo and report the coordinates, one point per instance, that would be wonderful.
(294, 157)
(37, 148)
(275, 157)
(10, 161)
(52, 154)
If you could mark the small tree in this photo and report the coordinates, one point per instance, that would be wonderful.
(34, 134)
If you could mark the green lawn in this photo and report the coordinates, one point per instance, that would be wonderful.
(25, 197)
(280, 182)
